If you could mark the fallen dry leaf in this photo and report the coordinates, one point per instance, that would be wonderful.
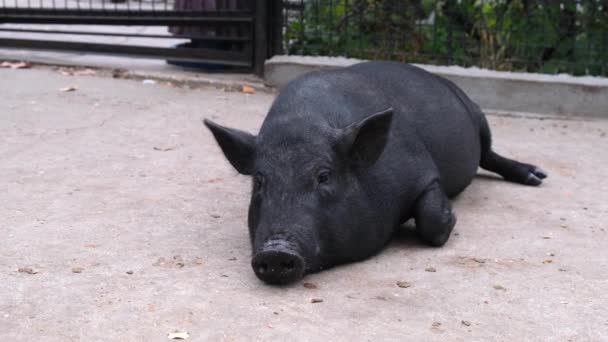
(316, 300)
(247, 89)
(77, 72)
(467, 323)
(403, 284)
(85, 72)
(178, 335)
(27, 270)
(16, 65)
(91, 245)
(67, 89)
(430, 269)
(77, 269)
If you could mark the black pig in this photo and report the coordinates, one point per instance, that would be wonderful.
(345, 156)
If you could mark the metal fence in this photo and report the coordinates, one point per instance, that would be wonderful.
(227, 32)
(518, 35)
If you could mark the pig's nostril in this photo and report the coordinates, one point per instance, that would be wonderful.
(288, 265)
(262, 268)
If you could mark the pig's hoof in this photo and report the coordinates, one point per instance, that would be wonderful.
(535, 176)
(441, 238)
(439, 234)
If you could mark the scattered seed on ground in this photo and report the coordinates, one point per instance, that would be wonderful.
(163, 149)
(430, 269)
(178, 335)
(311, 286)
(467, 323)
(77, 269)
(129, 272)
(316, 300)
(436, 327)
(500, 287)
(403, 284)
(68, 89)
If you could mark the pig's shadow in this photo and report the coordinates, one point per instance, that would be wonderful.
(405, 236)
(485, 177)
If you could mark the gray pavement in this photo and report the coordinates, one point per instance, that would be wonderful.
(120, 177)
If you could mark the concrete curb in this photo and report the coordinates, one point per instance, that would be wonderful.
(138, 69)
(493, 90)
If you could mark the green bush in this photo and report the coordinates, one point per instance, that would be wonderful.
(522, 35)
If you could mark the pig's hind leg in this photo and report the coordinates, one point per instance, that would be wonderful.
(512, 170)
(509, 169)
(434, 216)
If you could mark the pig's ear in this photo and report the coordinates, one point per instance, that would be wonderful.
(365, 140)
(238, 146)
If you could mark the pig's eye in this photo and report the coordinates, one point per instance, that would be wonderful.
(323, 177)
(258, 181)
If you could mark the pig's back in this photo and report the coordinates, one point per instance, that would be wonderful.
(435, 112)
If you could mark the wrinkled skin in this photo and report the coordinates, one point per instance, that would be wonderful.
(345, 156)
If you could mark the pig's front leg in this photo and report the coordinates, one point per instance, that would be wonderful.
(434, 216)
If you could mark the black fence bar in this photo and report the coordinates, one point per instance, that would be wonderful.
(261, 36)
(189, 55)
(133, 35)
(120, 17)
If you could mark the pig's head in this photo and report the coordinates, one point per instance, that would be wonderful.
(308, 207)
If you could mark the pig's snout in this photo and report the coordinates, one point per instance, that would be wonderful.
(278, 265)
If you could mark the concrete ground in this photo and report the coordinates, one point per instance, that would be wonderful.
(134, 226)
